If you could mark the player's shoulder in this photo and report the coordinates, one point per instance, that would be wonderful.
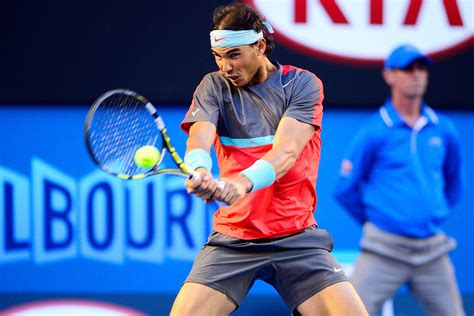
(211, 82)
(213, 77)
(298, 76)
(293, 71)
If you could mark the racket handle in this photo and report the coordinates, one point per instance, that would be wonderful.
(194, 176)
(220, 184)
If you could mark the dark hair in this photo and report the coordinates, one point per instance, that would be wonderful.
(240, 16)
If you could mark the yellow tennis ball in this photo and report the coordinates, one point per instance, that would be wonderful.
(147, 156)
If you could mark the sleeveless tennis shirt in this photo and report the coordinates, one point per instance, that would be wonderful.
(246, 119)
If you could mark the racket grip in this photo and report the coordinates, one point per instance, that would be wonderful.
(194, 176)
(220, 184)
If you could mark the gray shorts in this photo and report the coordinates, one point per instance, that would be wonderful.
(297, 266)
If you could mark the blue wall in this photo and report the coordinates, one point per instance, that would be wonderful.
(56, 237)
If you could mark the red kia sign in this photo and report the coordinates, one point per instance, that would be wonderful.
(367, 30)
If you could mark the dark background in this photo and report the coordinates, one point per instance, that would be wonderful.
(69, 52)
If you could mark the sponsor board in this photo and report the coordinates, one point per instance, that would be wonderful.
(365, 31)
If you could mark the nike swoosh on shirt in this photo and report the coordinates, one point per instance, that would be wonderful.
(195, 112)
(337, 269)
(288, 82)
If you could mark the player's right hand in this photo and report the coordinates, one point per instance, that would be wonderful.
(204, 186)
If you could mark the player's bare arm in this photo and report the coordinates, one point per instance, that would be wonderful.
(201, 136)
(290, 139)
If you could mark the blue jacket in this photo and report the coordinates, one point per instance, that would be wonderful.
(402, 179)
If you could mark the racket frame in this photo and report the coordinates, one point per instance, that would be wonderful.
(183, 170)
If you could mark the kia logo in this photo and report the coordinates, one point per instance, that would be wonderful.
(365, 31)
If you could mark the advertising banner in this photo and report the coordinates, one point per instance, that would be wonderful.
(70, 231)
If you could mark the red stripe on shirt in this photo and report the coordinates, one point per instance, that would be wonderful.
(318, 108)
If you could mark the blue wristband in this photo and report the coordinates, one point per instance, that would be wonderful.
(198, 158)
(261, 174)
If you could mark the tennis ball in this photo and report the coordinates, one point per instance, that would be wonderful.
(146, 156)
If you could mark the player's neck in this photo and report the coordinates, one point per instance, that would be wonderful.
(264, 71)
(408, 107)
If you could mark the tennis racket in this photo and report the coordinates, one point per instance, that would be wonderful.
(117, 125)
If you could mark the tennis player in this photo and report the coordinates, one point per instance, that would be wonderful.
(264, 120)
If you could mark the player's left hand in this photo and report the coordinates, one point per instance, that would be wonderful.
(234, 189)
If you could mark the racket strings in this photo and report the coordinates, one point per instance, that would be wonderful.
(119, 127)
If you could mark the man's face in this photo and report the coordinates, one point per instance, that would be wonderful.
(410, 81)
(239, 64)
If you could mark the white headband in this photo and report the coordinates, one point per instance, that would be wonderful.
(229, 38)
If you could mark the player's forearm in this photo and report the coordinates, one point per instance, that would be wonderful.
(270, 167)
(282, 158)
(291, 137)
(201, 135)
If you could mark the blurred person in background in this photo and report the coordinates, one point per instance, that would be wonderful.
(399, 179)
(264, 120)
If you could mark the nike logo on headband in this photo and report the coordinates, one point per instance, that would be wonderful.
(230, 38)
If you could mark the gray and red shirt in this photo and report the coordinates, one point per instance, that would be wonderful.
(246, 119)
